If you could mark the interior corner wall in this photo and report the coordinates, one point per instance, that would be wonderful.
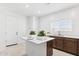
(69, 14)
(33, 23)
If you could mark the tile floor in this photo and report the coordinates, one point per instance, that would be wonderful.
(20, 50)
(60, 53)
(17, 50)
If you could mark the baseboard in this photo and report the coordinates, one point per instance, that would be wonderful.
(11, 45)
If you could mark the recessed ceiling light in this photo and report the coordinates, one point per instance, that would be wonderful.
(39, 11)
(27, 6)
(48, 3)
(72, 13)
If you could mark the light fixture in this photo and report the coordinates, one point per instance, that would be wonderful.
(48, 3)
(27, 6)
(72, 13)
(39, 12)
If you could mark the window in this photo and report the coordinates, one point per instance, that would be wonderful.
(62, 25)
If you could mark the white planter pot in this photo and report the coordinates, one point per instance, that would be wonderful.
(32, 36)
(41, 37)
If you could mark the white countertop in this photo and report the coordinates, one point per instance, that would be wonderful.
(38, 41)
(69, 36)
(72, 36)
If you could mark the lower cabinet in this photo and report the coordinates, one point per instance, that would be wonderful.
(78, 47)
(49, 48)
(59, 43)
(70, 45)
(54, 43)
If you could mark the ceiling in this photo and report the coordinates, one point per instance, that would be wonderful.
(36, 9)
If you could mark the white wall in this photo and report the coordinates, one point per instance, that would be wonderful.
(69, 14)
(33, 23)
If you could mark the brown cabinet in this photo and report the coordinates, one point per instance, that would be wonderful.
(54, 43)
(66, 44)
(59, 43)
(70, 45)
(49, 48)
(78, 47)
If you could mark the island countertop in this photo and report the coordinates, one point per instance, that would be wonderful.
(38, 41)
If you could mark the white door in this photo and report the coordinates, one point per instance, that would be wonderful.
(21, 29)
(11, 37)
(2, 32)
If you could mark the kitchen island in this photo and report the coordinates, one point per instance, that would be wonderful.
(39, 47)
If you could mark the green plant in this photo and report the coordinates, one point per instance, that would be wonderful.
(41, 33)
(32, 33)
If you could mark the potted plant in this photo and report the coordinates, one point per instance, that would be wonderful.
(41, 34)
(32, 34)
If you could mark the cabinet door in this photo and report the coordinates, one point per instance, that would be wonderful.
(70, 45)
(78, 47)
(11, 37)
(59, 43)
(54, 43)
(49, 48)
(2, 32)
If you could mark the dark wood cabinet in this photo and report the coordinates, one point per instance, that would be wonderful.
(59, 43)
(49, 48)
(70, 45)
(78, 47)
(66, 44)
(54, 43)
